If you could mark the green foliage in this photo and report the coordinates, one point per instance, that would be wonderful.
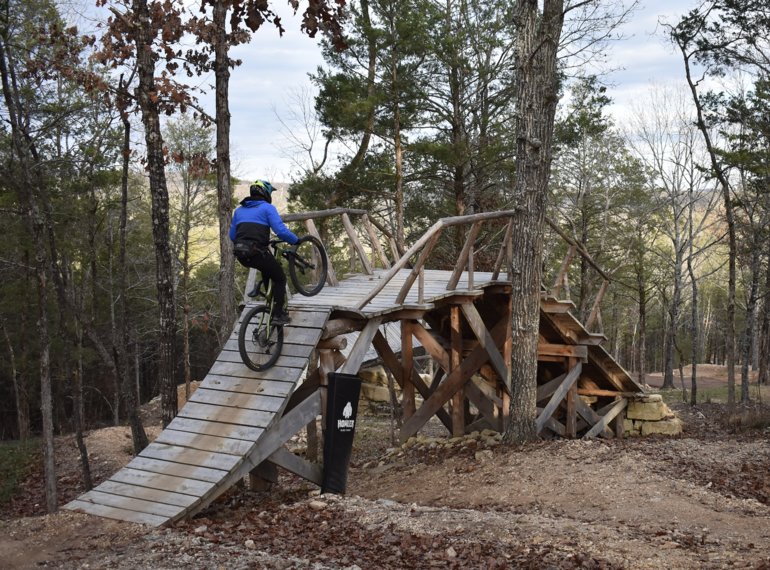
(16, 459)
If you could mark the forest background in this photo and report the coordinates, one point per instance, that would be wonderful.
(116, 191)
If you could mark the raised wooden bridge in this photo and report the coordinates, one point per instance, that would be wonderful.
(238, 421)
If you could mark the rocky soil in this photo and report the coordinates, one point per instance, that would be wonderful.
(701, 500)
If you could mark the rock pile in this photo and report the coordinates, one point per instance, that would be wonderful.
(650, 415)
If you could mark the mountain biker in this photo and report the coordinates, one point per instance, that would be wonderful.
(250, 233)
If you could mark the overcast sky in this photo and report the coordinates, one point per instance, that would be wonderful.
(273, 67)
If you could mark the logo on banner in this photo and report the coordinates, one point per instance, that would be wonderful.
(347, 424)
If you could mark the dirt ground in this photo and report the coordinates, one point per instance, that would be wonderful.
(700, 500)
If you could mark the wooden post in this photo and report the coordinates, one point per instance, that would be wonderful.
(407, 365)
(325, 368)
(263, 476)
(507, 351)
(375, 242)
(458, 411)
(597, 303)
(561, 277)
(571, 423)
(312, 427)
(331, 278)
(356, 244)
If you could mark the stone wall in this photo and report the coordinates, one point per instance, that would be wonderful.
(650, 415)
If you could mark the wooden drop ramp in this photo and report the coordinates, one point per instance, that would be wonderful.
(460, 318)
(232, 423)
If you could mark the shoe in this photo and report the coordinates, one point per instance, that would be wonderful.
(281, 319)
(254, 292)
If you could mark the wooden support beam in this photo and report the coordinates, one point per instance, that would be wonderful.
(558, 396)
(563, 350)
(336, 327)
(455, 358)
(570, 426)
(485, 405)
(407, 367)
(456, 379)
(546, 390)
(390, 360)
(363, 342)
(591, 417)
(485, 339)
(431, 345)
(270, 441)
(616, 408)
(297, 465)
(555, 306)
(333, 343)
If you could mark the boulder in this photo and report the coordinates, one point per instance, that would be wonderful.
(670, 426)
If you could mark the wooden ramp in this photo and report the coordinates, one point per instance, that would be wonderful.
(232, 423)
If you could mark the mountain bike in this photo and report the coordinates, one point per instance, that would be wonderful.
(260, 340)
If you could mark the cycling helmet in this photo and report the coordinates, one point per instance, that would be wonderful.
(261, 190)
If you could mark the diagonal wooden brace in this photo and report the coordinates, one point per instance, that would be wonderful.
(558, 396)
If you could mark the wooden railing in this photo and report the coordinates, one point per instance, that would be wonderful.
(426, 244)
(561, 279)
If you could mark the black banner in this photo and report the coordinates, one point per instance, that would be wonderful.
(341, 410)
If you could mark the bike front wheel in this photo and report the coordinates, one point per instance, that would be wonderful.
(308, 266)
(259, 340)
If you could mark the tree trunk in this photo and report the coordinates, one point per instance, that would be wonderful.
(537, 40)
(751, 317)
(763, 377)
(22, 415)
(730, 218)
(673, 321)
(694, 324)
(77, 388)
(160, 211)
(227, 306)
(28, 190)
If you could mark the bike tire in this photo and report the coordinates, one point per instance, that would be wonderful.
(308, 266)
(259, 341)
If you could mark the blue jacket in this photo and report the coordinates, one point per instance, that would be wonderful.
(253, 220)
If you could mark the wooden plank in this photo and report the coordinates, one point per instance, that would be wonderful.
(271, 400)
(570, 425)
(274, 438)
(163, 482)
(215, 428)
(204, 442)
(116, 513)
(189, 456)
(415, 272)
(363, 342)
(297, 465)
(556, 306)
(239, 370)
(177, 469)
(331, 278)
(283, 361)
(131, 504)
(154, 495)
(253, 386)
(480, 330)
(565, 350)
(226, 415)
(482, 403)
(289, 349)
(558, 396)
(487, 390)
(618, 407)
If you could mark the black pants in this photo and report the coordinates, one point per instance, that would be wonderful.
(271, 270)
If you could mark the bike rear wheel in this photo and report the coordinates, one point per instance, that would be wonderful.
(259, 341)
(308, 266)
